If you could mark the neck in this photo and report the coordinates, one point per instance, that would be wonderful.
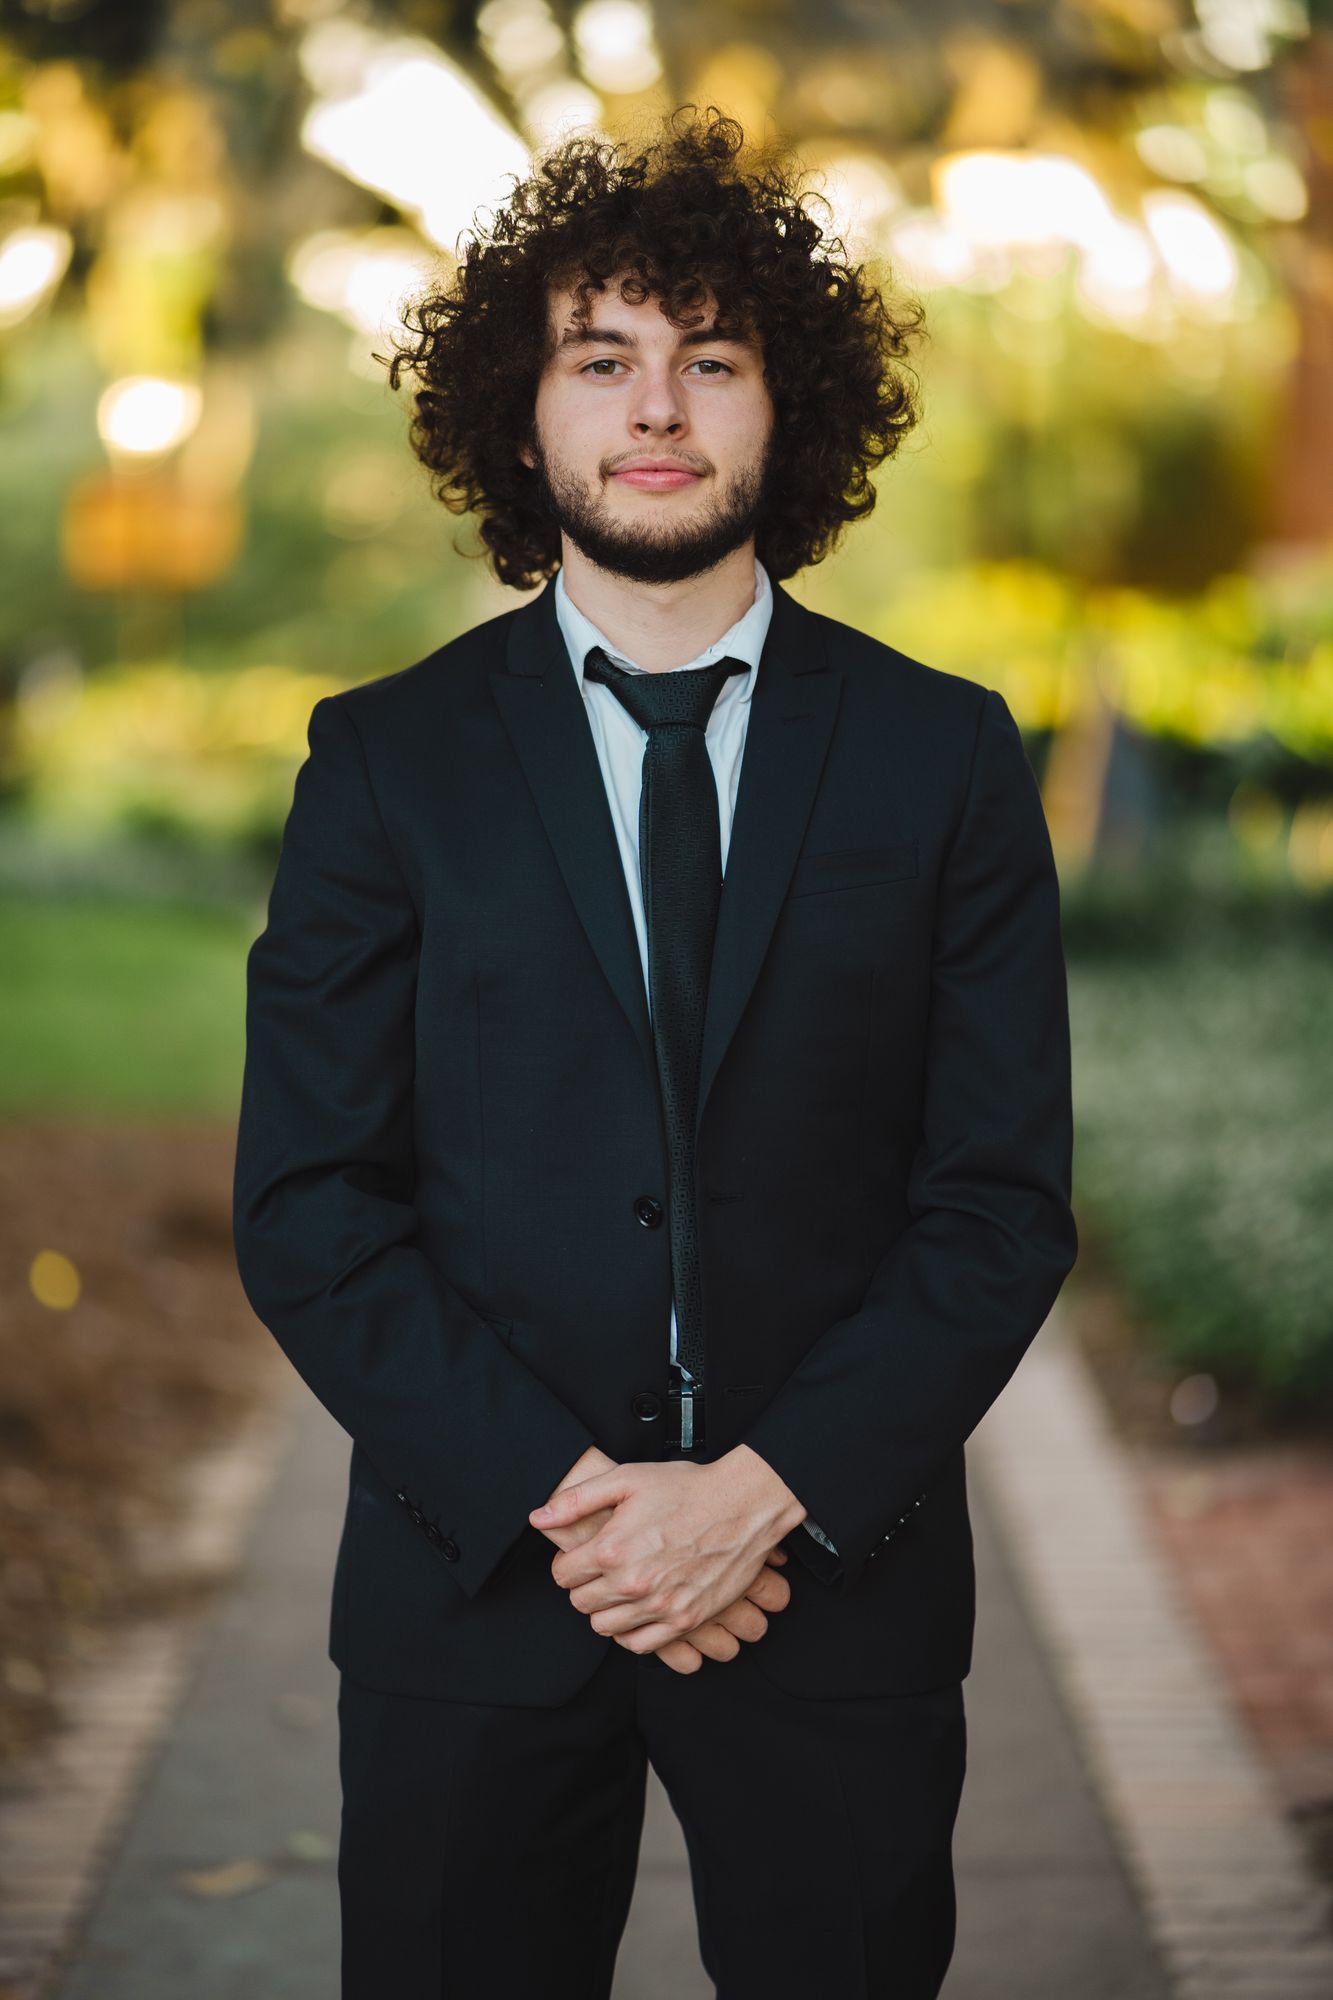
(661, 625)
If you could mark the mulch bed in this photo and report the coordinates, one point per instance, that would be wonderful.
(1243, 1506)
(105, 1402)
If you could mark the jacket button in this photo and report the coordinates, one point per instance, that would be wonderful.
(449, 1548)
(649, 1210)
(646, 1405)
(433, 1533)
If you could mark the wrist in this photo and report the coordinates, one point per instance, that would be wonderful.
(770, 1490)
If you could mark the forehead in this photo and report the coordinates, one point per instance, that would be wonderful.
(630, 323)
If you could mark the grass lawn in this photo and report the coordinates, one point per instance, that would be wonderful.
(110, 1007)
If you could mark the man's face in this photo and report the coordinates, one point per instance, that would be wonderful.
(630, 392)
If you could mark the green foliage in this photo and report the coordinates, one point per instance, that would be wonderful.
(347, 567)
(1203, 1073)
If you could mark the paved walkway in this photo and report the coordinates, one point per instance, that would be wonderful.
(223, 1884)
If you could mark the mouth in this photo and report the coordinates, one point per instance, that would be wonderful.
(664, 478)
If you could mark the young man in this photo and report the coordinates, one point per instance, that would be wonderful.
(655, 1141)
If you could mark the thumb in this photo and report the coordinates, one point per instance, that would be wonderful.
(571, 1503)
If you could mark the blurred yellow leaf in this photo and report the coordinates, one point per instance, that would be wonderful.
(233, 1878)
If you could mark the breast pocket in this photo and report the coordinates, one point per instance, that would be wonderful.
(853, 868)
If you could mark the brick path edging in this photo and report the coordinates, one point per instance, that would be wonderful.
(1227, 1890)
(63, 1804)
(1224, 1880)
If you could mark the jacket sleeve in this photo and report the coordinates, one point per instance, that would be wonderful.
(885, 1396)
(324, 1225)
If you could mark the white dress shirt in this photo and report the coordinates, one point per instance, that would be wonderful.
(620, 741)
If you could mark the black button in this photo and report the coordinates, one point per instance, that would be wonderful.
(646, 1405)
(400, 1495)
(433, 1532)
(649, 1210)
(449, 1548)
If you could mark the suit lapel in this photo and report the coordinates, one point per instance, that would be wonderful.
(791, 719)
(792, 711)
(543, 710)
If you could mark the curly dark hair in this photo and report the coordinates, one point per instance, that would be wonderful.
(683, 217)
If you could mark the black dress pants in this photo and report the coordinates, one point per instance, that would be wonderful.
(490, 1853)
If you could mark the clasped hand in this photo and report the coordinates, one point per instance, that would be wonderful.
(676, 1558)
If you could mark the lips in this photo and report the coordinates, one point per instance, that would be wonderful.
(657, 478)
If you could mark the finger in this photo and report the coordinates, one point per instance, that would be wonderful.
(623, 1615)
(599, 1599)
(581, 1569)
(567, 1540)
(770, 1590)
(649, 1638)
(742, 1618)
(776, 1556)
(682, 1656)
(579, 1531)
(715, 1638)
(604, 1489)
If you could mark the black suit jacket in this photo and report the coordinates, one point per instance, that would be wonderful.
(450, 1174)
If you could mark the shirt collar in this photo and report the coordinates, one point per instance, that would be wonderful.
(743, 641)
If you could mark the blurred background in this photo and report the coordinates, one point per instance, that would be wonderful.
(1118, 510)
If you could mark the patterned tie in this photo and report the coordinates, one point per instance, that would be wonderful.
(680, 869)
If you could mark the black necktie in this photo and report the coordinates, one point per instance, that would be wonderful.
(680, 869)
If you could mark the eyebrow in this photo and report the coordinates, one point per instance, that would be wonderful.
(613, 336)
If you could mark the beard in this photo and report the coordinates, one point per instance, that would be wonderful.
(653, 551)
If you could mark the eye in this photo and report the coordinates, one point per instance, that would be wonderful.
(609, 361)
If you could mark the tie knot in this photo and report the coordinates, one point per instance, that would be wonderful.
(687, 696)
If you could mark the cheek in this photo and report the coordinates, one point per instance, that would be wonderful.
(557, 409)
(738, 425)
(577, 428)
